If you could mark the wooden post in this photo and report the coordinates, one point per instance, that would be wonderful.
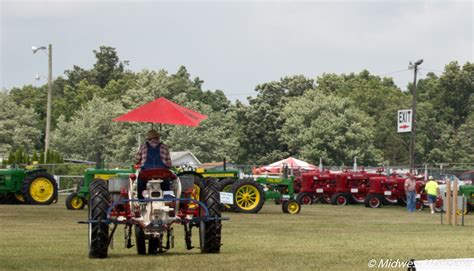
(455, 202)
(448, 202)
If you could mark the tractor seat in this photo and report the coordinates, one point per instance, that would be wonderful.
(157, 173)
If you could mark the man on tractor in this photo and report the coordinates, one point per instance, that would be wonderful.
(153, 154)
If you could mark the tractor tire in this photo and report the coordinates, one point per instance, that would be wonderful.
(402, 201)
(438, 206)
(358, 198)
(98, 231)
(390, 200)
(291, 207)
(210, 231)
(140, 240)
(40, 188)
(74, 202)
(373, 201)
(225, 186)
(419, 206)
(305, 198)
(340, 199)
(248, 196)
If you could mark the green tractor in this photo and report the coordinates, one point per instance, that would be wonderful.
(250, 195)
(35, 186)
(79, 199)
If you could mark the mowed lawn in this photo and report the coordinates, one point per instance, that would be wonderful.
(321, 237)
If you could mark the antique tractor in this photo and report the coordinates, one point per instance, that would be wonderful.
(34, 186)
(390, 190)
(250, 195)
(79, 199)
(317, 186)
(116, 202)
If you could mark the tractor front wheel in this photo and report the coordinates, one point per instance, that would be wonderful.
(358, 198)
(291, 207)
(140, 240)
(210, 231)
(75, 202)
(225, 186)
(248, 196)
(40, 188)
(340, 199)
(373, 201)
(305, 198)
(99, 229)
(419, 205)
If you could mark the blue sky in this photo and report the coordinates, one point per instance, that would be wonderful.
(233, 46)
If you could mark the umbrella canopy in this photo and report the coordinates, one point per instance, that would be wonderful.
(163, 111)
(291, 162)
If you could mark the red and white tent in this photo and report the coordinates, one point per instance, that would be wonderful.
(291, 162)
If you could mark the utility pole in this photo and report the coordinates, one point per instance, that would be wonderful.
(413, 119)
(50, 90)
(48, 109)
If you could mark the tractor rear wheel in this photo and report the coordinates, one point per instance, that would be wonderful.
(210, 231)
(339, 199)
(225, 186)
(98, 230)
(305, 198)
(40, 188)
(373, 201)
(248, 196)
(140, 240)
(291, 207)
(75, 202)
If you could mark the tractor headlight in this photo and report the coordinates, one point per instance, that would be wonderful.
(145, 194)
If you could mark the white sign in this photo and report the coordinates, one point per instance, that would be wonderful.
(319, 190)
(387, 193)
(404, 121)
(354, 190)
(227, 198)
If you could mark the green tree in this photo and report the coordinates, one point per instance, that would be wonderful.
(329, 127)
(18, 126)
(89, 131)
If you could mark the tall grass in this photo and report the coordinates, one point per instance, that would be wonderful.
(321, 237)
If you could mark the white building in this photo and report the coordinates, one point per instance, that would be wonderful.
(181, 158)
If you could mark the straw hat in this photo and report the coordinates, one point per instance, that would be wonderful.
(152, 134)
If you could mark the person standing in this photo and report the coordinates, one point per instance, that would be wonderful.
(410, 190)
(432, 190)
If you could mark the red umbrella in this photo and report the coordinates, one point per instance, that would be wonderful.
(163, 111)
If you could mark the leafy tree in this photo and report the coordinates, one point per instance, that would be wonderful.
(108, 66)
(329, 127)
(89, 131)
(259, 125)
(18, 126)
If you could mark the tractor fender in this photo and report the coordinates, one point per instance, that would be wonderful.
(29, 172)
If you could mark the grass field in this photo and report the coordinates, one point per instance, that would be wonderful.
(321, 237)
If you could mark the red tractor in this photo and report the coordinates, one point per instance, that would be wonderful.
(388, 190)
(152, 217)
(316, 186)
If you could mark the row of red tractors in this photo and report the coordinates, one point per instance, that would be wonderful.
(348, 187)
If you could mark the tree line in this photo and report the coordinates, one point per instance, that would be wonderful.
(335, 117)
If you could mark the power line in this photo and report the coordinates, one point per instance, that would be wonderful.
(392, 72)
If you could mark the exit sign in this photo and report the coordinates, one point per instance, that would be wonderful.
(404, 122)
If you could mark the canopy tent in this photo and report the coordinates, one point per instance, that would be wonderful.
(163, 111)
(290, 162)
